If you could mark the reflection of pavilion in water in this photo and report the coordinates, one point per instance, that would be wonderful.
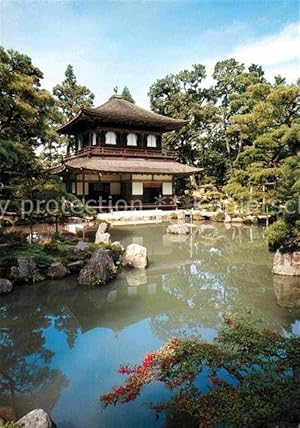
(191, 280)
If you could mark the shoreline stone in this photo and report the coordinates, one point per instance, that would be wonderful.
(24, 271)
(178, 229)
(135, 256)
(286, 263)
(98, 270)
(57, 271)
(6, 286)
(37, 418)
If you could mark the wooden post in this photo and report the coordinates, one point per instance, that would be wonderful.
(75, 184)
(83, 188)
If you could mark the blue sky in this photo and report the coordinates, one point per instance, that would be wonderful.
(133, 43)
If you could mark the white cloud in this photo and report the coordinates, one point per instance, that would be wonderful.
(277, 53)
(275, 49)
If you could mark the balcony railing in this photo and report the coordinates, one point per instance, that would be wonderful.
(122, 152)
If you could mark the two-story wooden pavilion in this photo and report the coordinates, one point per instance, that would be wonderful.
(118, 155)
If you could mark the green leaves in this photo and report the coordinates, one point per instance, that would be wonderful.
(126, 95)
(71, 96)
(249, 377)
(24, 105)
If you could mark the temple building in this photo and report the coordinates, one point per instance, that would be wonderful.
(118, 156)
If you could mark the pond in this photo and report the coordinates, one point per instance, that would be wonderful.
(61, 344)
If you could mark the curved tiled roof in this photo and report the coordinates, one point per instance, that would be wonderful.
(123, 113)
(128, 165)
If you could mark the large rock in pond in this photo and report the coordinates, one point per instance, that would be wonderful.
(57, 271)
(99, 269)
(25, 270)
(179, 229)
(6, 286)
(286, 263)
(135, 256)
(37, 418)
(27, 267)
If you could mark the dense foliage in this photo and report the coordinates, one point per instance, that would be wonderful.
(15, 245)
(244, 132)
(126, 95)
(29, 116)
(247, 377)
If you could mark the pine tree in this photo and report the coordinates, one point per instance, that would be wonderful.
(71, 96)
(126, 95)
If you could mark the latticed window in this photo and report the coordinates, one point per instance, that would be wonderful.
(131, 140)
(151, 141)
(110, 138)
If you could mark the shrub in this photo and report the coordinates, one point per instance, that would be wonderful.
(283, 237)
(248, 376)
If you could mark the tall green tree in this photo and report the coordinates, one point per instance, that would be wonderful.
(71, 96)
(205, 141)
(264, 128)
(183, 95)
(126, 95)
(25, 106)
(27, 117)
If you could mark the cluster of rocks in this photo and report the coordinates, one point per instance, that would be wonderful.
(98, 270)
(37, 418)
(26, 270)
(248, 219)
(221, 216)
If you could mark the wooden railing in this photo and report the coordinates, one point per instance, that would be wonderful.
(125, 152)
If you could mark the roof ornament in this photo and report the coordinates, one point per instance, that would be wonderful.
(115, 94)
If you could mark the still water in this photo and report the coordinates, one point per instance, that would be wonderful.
(61, 344)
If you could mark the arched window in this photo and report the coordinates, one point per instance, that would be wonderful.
(110, 138)
(131, 140)
(94, 139)
(151, 141)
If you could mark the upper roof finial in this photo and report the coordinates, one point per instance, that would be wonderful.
(115, 94)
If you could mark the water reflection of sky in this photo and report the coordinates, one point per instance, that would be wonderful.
(62, 344)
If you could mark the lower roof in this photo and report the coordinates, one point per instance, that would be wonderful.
(125, 165)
